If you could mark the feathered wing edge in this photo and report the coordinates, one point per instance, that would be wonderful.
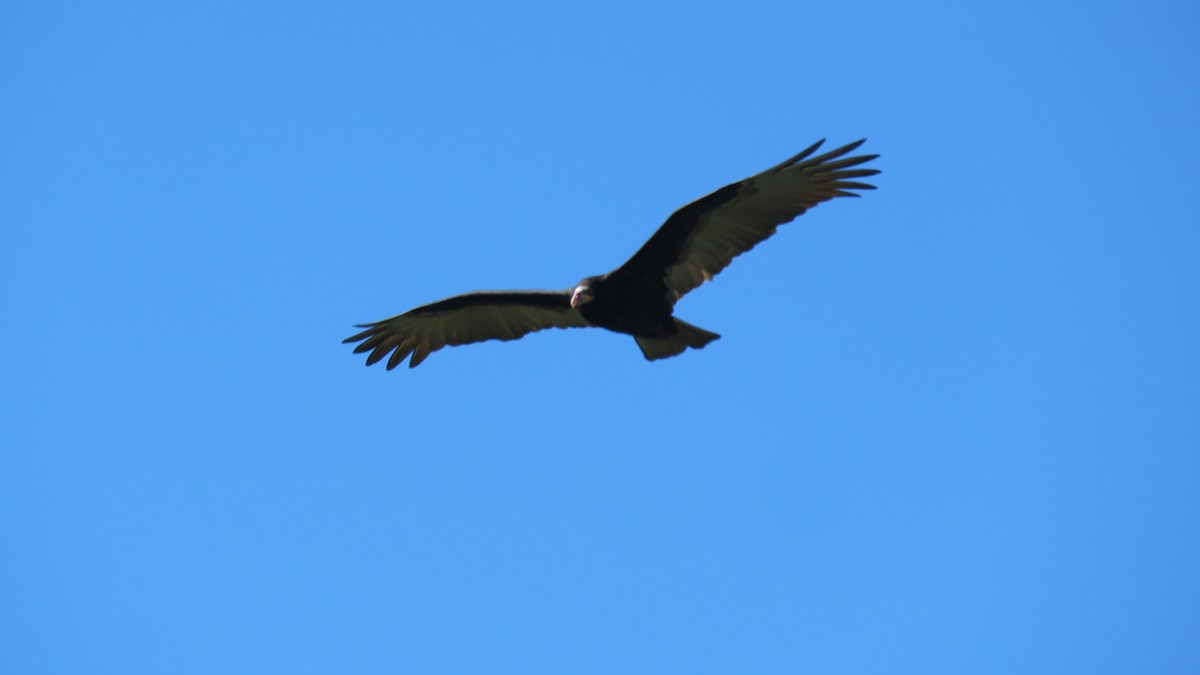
(464, 319)
(703, 237)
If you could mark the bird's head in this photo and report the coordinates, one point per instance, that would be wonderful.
(582, 293)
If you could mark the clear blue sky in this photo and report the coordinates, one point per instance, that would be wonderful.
(951, 427)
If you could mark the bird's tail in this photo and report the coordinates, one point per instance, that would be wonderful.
(686, 335)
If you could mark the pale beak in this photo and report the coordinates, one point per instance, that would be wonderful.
(575, 297)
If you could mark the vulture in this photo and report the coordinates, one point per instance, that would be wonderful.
(638, 298)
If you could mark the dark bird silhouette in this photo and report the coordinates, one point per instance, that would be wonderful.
(638, 298)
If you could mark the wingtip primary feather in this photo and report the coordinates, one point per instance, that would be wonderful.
(373, 341)
(826, 160)
(800, 156)
(358, 336)
(377, 356)
(404, 349)
(419, 354)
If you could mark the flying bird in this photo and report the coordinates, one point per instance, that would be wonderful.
(638, 298)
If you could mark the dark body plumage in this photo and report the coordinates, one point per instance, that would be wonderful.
(638, 298)
(628, 304)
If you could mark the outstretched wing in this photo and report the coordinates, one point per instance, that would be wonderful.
(702, 238)
(463, 319)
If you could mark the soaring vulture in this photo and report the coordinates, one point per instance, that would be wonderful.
(692, 246)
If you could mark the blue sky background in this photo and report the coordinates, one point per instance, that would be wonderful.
(951, 427)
